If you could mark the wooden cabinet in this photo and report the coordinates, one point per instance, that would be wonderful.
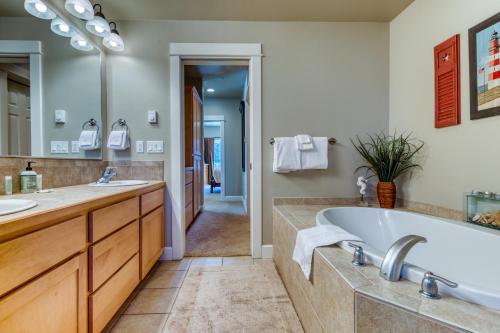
(151, 239)
(194, 145)
(108, 219)
(188, 193)
(55, 302)
(151, 200)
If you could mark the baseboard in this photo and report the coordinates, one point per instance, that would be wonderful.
(167, 253)
(267, 251)
(244, 205)
(233, 198)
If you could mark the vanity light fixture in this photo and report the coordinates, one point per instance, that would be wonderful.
(114, 41)
(80, 43)
(39, 9)
(210, 90)
(80, 8)
(98, 25)
(58, 26)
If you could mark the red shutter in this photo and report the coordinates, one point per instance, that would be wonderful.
(447, 82)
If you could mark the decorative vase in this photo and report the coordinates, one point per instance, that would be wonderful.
(386, 192)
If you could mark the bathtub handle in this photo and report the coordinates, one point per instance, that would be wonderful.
(429, 287)
(358, 258)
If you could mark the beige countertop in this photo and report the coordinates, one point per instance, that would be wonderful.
(404, 294)
(65, 202)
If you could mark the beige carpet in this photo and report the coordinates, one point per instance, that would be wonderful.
(222, 229)
(248, 298)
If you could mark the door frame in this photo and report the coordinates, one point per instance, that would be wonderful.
(220, 119)
(32, 49)
(214, 51)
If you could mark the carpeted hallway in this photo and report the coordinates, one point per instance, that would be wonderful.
(222, 229)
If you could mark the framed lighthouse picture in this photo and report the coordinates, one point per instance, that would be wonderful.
(484, 68)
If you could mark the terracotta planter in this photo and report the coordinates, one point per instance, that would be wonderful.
(386, 192)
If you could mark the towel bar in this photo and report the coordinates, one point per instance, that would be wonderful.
(331, 141)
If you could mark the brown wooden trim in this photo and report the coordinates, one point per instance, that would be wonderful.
(474, 113)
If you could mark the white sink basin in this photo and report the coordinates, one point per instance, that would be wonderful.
(11, 206)
(115, 183)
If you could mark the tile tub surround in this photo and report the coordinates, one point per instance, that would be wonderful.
(59, 172)
(343, 298)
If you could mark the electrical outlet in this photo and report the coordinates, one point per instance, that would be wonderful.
(59, 147)
(75, 147)
(139, 146)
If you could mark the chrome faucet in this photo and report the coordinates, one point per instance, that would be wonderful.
(393, 261)
(108, 173)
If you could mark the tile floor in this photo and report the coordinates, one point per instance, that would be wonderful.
(211, 294)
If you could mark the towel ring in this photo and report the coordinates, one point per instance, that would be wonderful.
(331, 141)
(120, 122)
(91, 123)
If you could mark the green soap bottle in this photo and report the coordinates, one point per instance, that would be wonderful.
(28, 179)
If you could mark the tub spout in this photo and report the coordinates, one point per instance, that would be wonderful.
(394, 258)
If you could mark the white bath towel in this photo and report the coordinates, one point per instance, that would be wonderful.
(88, 140)
(286, 155)
(316, 158)
(118, 140)
(311, 238)
(304, 142)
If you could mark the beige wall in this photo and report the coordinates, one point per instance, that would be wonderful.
(458, 158)
(329, 79)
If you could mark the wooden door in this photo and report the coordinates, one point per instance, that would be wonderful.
(19, 119)
(197, 152)
(56, 302)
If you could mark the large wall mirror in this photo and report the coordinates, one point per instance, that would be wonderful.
(49, 90)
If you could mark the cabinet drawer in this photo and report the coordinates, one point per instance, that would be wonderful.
(188, 192)
(151, 200)
(55, 302)
(108, 219)
(189, 176)
(151, 239)
(25, 257)
(106, 301)
(107, 256)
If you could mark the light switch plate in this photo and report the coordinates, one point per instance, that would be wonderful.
(60, 116)
(154, 147)
(139, 146)
(152, 117)
(59, 147)
(75, 147)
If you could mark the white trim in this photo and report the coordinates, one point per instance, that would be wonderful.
(178, 52)
(233, 198)
(222, 122)
(267, 252)
(213, 118)
(32, 48)
(167, 253)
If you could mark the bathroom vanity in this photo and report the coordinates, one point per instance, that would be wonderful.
(70, 263)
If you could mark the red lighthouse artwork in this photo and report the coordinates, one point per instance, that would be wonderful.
(484, 57)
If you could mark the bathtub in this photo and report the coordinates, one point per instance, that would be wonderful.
(463, 253)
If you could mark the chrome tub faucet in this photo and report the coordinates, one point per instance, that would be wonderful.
(392, 263)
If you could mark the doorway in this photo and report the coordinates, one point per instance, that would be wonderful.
(180, 52)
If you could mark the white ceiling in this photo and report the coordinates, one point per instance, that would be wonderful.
(228, 81)
(241, 10)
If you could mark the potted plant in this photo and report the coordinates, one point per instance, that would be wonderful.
(387, 157)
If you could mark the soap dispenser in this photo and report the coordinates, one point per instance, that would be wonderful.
(28, 179)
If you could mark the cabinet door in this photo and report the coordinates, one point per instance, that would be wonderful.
(55, 302)
(151, 239)
(197, 185)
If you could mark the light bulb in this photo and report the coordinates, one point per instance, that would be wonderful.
(79, 8)
(82, 43)
(41, 7)
(63, 27)
(113, 43)
(99, 29)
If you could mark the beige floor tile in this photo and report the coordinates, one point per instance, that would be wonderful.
(150, 301)
(175, 265)
(206, 261)
(150, 323)
(166, 279)
(237, 261)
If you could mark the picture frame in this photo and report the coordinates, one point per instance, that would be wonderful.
(484, 68)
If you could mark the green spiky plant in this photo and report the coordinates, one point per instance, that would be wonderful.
(388, 156)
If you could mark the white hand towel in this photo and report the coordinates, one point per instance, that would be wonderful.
(87, 139)
(304, 142)
(286, 155)
(317, 158)
(311, 238)
(118, 140)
